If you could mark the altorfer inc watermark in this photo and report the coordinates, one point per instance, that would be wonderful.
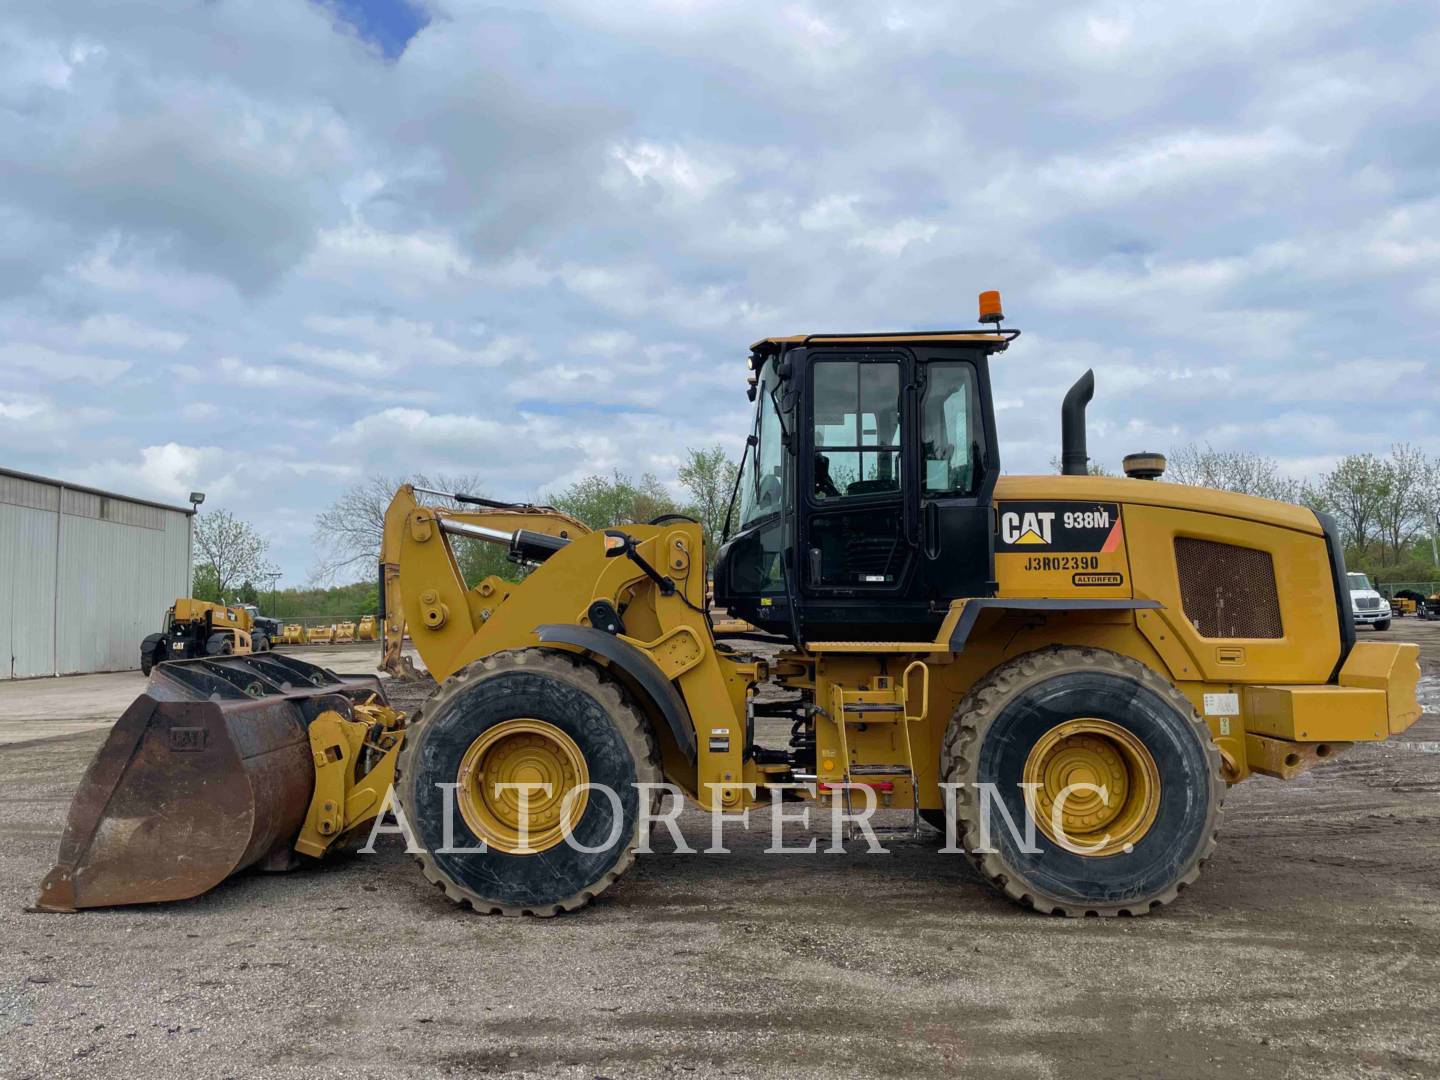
(847, 822)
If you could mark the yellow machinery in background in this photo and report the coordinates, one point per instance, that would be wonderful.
(366, 629)
(1099, 657)
(197, 628)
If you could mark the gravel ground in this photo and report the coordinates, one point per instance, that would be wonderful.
(1309, 948)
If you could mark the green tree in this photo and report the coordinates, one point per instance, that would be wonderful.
(348, 532)
(228, 551)
(1093, 468)
(1404, 502)
(204, 586)
(1356, 492)
(603, 502)
(1231, 470)
(709, 477)
(329, 603)
(479, 559)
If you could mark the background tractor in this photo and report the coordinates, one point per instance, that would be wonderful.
(1101, 656)
(199, 628)
(264, 631)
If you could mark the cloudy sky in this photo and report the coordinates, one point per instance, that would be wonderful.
(264, 247)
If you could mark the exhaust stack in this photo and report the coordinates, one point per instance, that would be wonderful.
(1074, 461)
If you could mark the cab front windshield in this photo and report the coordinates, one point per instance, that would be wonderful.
(1359, 583)
(762, 491)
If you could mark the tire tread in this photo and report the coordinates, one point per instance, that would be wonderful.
(628, 721)
(965, 735)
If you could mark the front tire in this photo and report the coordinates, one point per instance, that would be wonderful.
(538, 716)
(1064, 716)
(152, 653)
(1383, 624)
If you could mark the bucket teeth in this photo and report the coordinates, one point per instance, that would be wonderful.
(207, 773)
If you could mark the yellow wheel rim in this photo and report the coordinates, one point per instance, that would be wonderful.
(1104, 755)
(518, 770)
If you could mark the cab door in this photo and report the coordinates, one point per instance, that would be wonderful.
(957, 468)
(855, 478)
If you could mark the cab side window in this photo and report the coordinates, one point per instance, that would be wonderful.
(857, 428)
(951, 438)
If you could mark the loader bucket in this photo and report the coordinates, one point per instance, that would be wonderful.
(206, 773)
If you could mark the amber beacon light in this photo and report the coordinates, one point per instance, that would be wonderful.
(990, 309)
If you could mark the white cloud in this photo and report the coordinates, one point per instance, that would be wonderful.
(125, 332)
(343, 360)
(672, 168)
(894, 239)
(21, 409)
(200, 411)
(399, 340)
(173, 466)
(551, 263)
(168, 472)
(409, 262)
(1180, 158)
(831, 213)
(54, 364)
(446, 427)
(282, 378)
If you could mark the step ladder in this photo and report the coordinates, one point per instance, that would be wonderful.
(883, 702)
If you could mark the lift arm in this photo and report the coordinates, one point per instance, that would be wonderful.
(497, 523)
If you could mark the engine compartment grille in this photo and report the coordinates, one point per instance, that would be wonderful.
(1228, 591)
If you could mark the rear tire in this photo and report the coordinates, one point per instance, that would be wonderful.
(596, 719)
(1004, 722)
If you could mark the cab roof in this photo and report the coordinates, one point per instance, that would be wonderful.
(996, 340)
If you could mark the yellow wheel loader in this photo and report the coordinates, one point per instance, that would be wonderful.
(1062, 673)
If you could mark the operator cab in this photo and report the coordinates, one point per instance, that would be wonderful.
(863, 502)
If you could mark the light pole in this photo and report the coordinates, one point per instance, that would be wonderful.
(196, 498)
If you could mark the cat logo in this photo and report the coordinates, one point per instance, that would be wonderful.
(1028, 528)
(188, 739)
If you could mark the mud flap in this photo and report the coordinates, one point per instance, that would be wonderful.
(206, 773)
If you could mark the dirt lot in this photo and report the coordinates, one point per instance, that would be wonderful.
(1310, 948)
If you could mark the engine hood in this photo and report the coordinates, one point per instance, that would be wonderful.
(1158, 493)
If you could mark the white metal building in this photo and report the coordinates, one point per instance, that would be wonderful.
(84, 575)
